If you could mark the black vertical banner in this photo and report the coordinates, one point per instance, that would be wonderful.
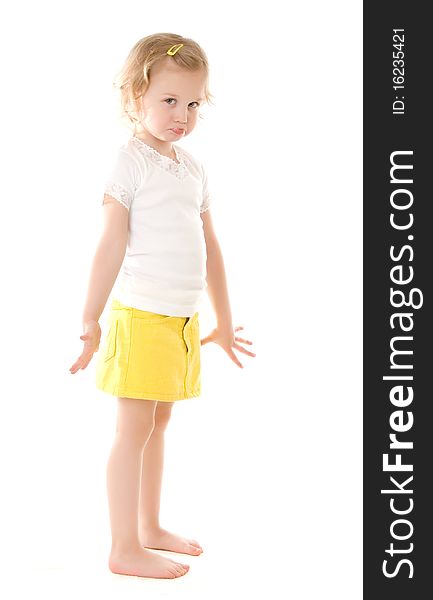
(398, 272)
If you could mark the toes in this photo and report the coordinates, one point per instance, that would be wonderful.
(181, 570)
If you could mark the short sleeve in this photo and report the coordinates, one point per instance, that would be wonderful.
(123, 179)
(205, 203)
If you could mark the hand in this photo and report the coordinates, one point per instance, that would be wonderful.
(224, 337)
(91, 338)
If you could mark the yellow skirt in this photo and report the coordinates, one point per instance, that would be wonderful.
(150, 356)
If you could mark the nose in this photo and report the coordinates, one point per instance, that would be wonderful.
(182, 116)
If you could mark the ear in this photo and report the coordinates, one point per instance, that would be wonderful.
(139, 105)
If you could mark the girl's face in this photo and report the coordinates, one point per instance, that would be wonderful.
(170, 106)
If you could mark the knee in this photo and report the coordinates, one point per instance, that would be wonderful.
(162, 415)
(136, 433)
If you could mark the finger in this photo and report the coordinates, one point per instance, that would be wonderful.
(77, 363)
(238, 327)
(205, 340)
(242, 340)
(234, 358)
(241, 349)
(81, 363)
(83, 359)
(85, 337)
(75, 367)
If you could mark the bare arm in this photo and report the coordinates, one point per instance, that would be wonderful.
(224, 333)
(108, 259)
(105, 267)
(216, 277)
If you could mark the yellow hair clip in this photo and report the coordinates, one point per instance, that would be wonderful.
(172, 52)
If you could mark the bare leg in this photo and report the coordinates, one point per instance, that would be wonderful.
(150, 531)
(135, 422)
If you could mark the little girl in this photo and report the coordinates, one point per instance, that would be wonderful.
(156, 210)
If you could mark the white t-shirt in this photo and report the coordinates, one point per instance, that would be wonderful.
(164, 270)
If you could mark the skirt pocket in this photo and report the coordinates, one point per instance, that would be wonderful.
(111, 341)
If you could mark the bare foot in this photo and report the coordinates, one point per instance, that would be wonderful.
(144, 563)
(161, 539)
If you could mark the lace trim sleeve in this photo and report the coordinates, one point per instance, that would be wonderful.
(205, 205)
(119, 193)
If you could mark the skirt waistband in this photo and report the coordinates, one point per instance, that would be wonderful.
(144, 314)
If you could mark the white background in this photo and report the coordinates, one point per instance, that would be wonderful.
(264, 469)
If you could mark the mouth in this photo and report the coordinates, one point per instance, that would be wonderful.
(178, 131)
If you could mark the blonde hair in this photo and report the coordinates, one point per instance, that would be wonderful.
(133, 79)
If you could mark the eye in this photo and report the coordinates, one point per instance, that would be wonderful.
(170, 104)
